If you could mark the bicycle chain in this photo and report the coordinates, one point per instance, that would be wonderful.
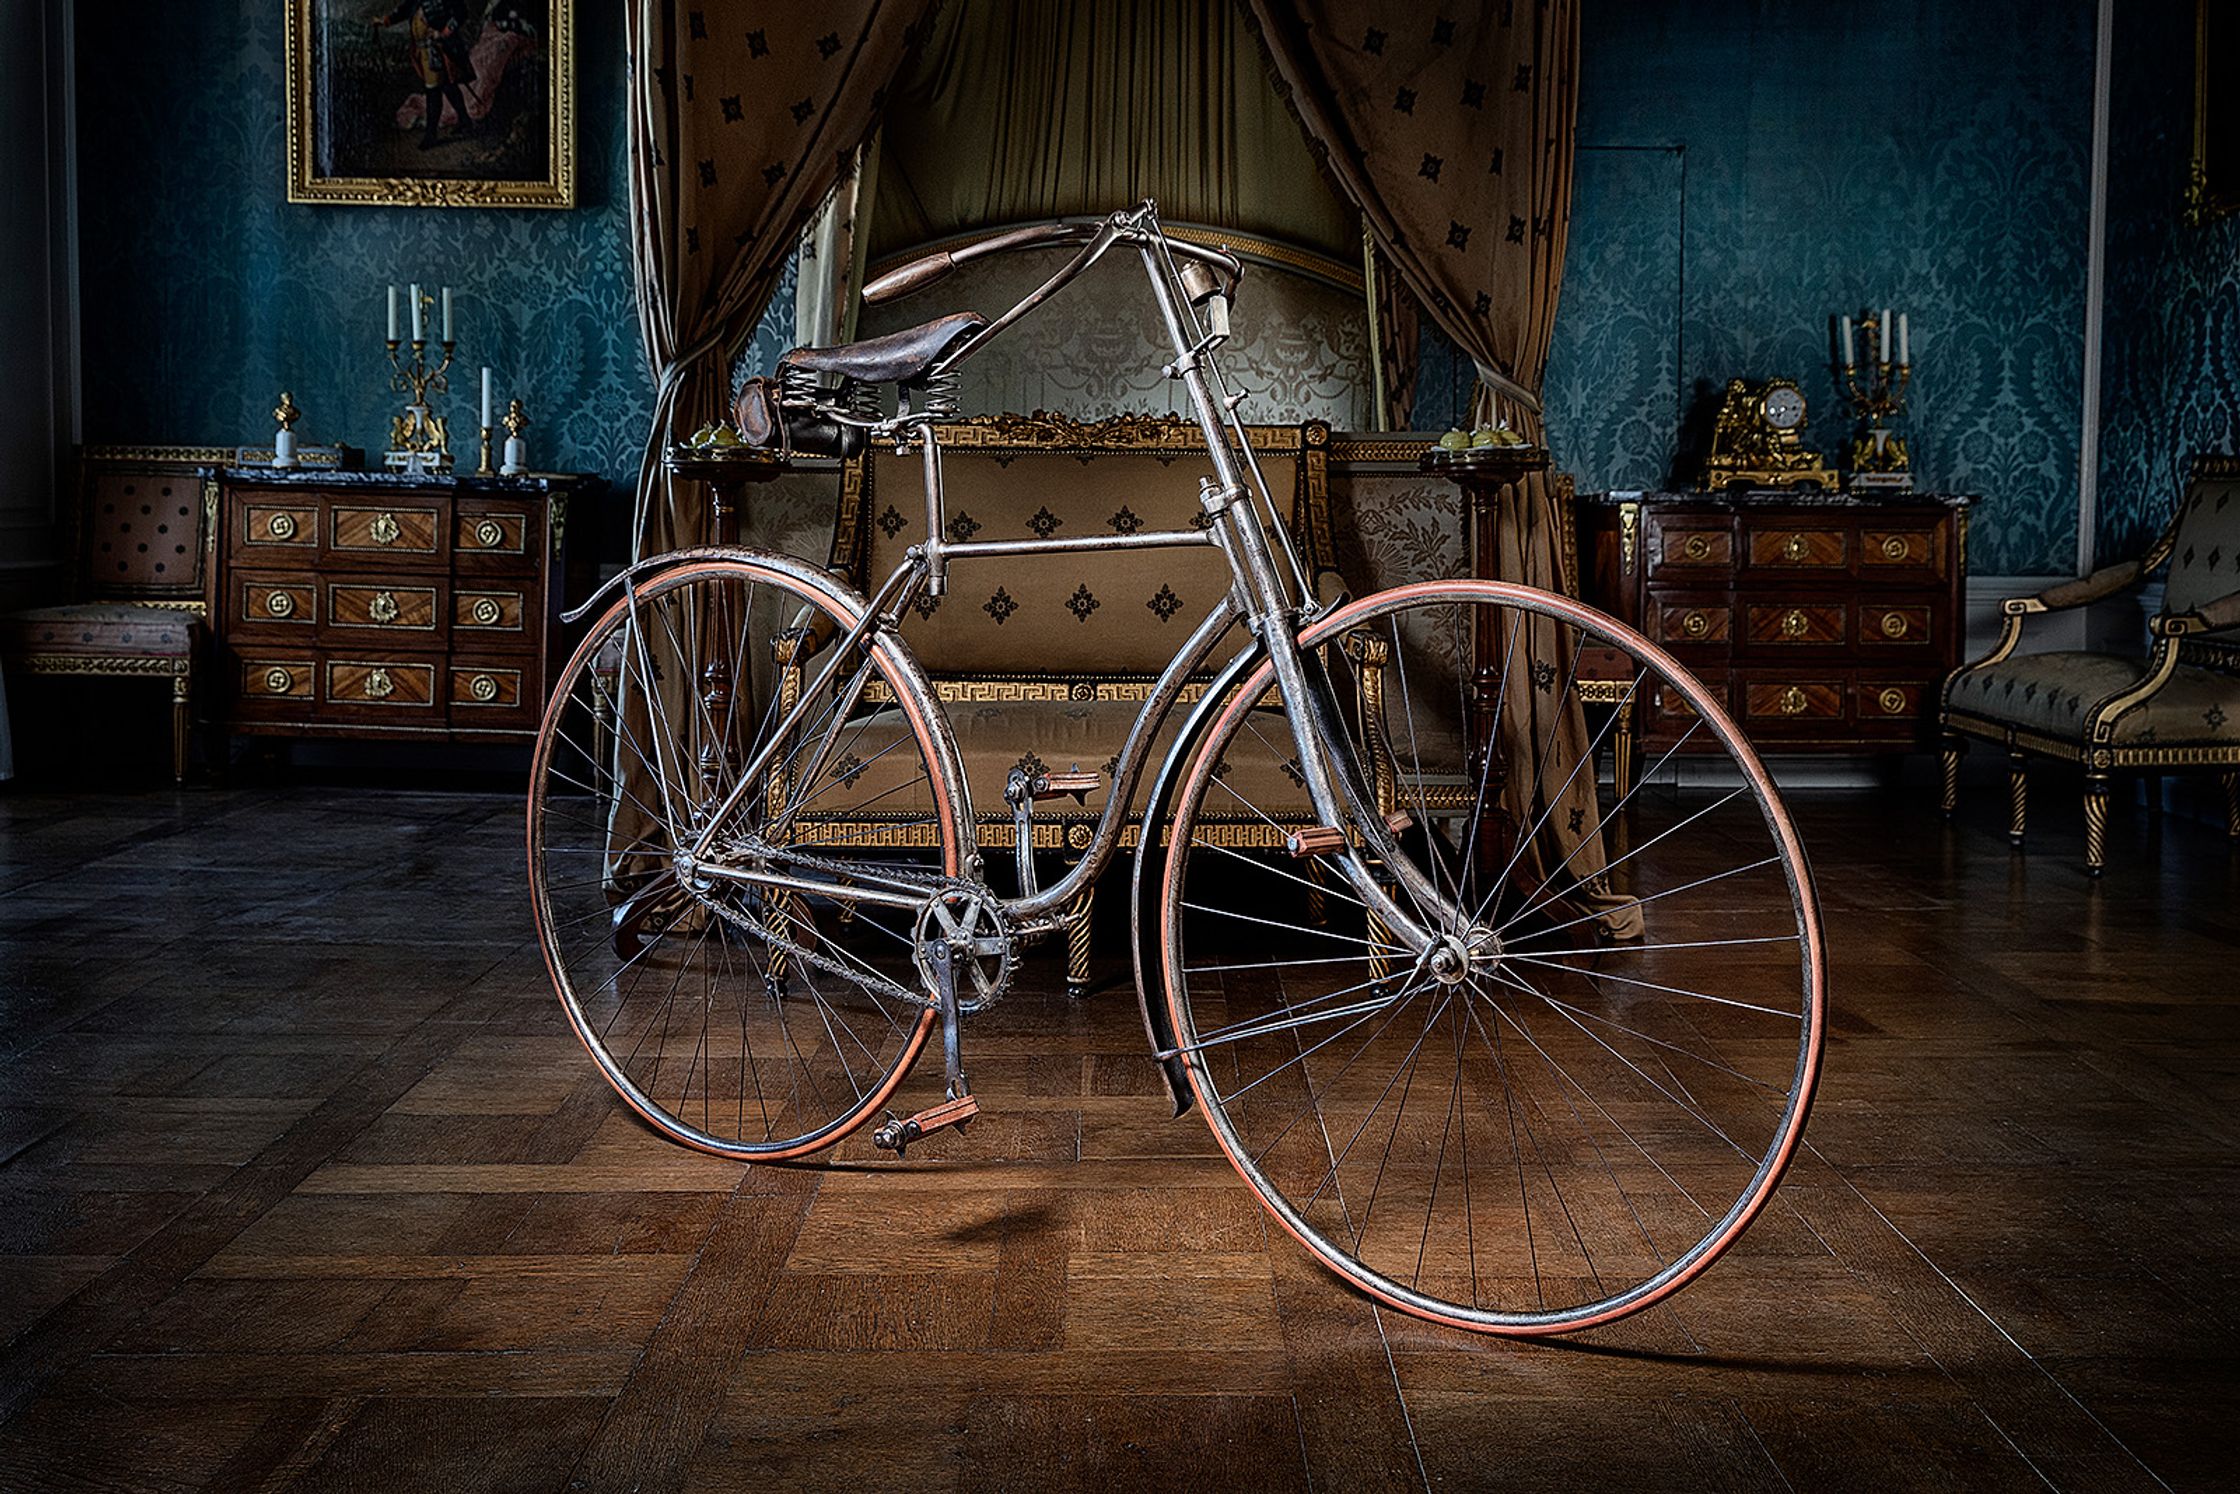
(807, 956)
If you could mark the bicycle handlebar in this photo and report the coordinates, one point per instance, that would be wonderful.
(926, 269)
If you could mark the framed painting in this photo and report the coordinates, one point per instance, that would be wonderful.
(2213, 182)
(431, 103)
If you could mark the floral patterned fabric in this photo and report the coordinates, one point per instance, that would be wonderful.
(2059, 695)
(99, 629)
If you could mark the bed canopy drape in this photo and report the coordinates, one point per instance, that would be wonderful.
(1451, 138)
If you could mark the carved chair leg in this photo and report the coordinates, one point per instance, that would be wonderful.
(1621, 754)
(182, 724)
(2018, 794)
(1318, 901)
(2095, 823)
(2231, 782)
(1954, 747)
(1079, 923)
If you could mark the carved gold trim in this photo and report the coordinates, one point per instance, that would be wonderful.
(1983, 729)
(1629, 536)
(1347, 448)
(1601, 692)
(1130, 431)
(556, 190)
(104, 664)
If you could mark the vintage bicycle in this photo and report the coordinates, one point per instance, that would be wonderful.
(1505, 1071)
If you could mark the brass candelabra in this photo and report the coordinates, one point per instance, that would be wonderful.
(1878, 454)
(419, 439)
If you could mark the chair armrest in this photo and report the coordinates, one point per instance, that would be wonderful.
(2224, 612)
(2105, 582)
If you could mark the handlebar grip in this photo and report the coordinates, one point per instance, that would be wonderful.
(916, 275)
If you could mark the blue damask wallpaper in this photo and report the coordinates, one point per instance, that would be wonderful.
(1729, 199)
(1749, 169)
(205, 292)
(2170, 365)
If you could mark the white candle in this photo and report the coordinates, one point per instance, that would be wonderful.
(419, 324)
(1848, 360)
(486, 397)
(1905, 341)
(447, 313)
(1884, 338)
(392, 313)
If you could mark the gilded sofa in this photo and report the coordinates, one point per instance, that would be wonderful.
(2176, 708)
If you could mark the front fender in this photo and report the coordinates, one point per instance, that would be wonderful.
(1150, 869)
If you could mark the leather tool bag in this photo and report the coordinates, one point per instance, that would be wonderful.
(763, 422)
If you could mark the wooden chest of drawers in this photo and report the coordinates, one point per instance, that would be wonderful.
(371, 604)
(1828, 623)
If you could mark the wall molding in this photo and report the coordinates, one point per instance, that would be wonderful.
(2095, 286)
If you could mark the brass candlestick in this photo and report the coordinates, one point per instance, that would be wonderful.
(1878, 455)
(483, 466)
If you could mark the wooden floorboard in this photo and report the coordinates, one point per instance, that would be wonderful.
(305, 1184)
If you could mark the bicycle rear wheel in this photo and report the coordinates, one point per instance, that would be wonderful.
(741, 1018)
(1579, 1114)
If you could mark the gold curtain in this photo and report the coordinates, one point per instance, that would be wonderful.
(1454, 138)
(741, 120)
(1020, 109)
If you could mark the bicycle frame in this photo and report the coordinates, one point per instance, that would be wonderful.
(1270, 594)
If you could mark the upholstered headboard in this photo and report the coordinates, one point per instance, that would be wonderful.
(1119, 614)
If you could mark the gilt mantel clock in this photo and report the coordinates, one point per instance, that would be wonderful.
(1756, 440)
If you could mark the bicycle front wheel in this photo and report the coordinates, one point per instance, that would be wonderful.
(742, 1017)
(1581, 1107)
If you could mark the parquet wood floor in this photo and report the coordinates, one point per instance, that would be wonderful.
(303, 1183)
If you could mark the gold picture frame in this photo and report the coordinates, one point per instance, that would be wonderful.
(497, 75)
(2213, 177)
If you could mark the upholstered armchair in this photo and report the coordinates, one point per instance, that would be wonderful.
(2177, 708)
(140, 558)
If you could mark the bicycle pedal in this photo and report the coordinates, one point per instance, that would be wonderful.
(1076, 783)
(898, 1132)
(1314, 840)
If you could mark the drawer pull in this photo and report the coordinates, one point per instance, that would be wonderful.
(1794, 622)
(280, 604)
(1695, 625)
(488, 534)
(1794, 548)
(278, 681)
(1893, 701)
(280, 526)
(1893, 625)
(487, 611)
(383, 607)
(1893, 547)
(482, 687)
(385, 529)
(1792, 701)
(1697, 547)
(379, 685)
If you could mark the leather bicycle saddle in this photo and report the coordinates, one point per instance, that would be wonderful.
(896, 358)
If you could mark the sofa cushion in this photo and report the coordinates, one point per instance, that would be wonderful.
(110, 630)
(2055, 694)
